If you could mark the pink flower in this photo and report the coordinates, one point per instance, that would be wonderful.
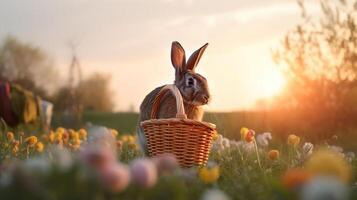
(98, 158)
(115, 177)
(166, 163)
(144, 172)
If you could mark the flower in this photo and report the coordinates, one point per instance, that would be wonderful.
(243, 132)
(294, 178)
(324, 187)
(273, 154)
(32, 140)
(214, 194)
(115, 177)
(60, 130)
(209, 173)
(82, 134)
(14, 150)
(330, 163)
(263, 139)
(144, 172)
(249, 137)
(73, 135)
(166, 163)
(114, 132)
(293, 140)
(39, 147)
(307, 148)
(10, 136)
(97, 157)
(51, 136)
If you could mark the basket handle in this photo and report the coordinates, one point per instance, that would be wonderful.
(179, 101)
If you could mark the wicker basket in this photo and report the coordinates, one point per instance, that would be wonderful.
(189, 140)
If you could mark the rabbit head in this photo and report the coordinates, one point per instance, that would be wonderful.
(193, 86)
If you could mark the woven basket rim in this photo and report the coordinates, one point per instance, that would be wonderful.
(178, 120)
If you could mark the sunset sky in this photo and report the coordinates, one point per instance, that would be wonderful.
(131, 40)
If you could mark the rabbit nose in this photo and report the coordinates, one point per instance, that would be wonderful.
(206, 98)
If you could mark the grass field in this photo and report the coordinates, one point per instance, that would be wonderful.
(229, 124)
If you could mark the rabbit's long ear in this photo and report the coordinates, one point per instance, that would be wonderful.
(195, 58)
(178, 57)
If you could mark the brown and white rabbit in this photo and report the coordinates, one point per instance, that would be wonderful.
(192, 86)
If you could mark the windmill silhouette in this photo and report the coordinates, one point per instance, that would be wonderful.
(73, 112)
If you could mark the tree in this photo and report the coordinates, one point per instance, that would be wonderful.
(319, 58)
(94, 93)
(26, 65)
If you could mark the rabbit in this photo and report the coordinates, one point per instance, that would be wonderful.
(192, 86)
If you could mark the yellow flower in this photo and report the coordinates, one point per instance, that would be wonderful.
(51, 136)
(243, 132)
(74, 135)
(10, 136)
(215, 136)
(60, 130)
(32, 140)
(14, 150)
(77, 142)
(82, 134)
(328, 162)
(39, 147)
(273, 154)
(209, 174)
(114, 132)
(293, 140)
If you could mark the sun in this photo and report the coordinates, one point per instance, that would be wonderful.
(271, 84)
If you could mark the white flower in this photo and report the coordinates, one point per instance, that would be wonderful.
(350, 156)
(324, 187)
(225, 143)
(214, 194)
(307, 148)
(337, 149)
(263, 139)
(248, 147)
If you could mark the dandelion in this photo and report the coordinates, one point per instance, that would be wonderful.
(209, 173)
(293, 140)
(82, 134)
(39, 147)
(273, 154)
(30, 141)
(10, 136)
(330, 163)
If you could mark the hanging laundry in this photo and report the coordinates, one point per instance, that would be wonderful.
(6, 111)
(24, 104)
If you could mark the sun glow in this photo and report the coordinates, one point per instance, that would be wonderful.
(271, 83)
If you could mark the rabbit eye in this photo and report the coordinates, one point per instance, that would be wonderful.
(190, 82)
